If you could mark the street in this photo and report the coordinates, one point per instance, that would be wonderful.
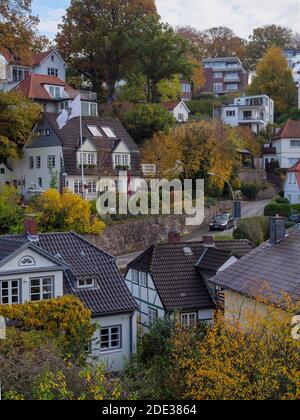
(249, 209)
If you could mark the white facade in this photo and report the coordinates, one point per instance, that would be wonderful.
(287, 151)
(291, 188)
(255, 112)
(181, 112)
(151, 308)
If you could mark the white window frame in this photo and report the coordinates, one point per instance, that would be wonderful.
(85, 285)
(135, 276)
(31, 162)
(121, 159)
(55, 92)
(92, 186)
(189, 319)
(78, 187)
(51, 159)
(152, 316)
(114, 335)
(295, 143)
(38, 162)
(41, 285)
(11, 291)
(52, 71)
(218, 87)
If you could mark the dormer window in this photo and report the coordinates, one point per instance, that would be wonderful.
(85, 283)
(121, 160)
(109, 132)
(54, 92)
(87, 158)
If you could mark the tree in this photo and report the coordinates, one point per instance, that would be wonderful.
(274, 78)
(65, 212)
(11, 211)
(160, 54)
(17, 118)
(18, 30)
(146, 119)
(95, 39)
(263, 39)
(257, 359)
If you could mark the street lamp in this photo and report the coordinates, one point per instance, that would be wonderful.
(231, 190)
(2, 337)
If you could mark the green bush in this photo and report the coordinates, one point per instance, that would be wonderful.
(255, 229)
(283, 210)
(282, 200)
(250, 190)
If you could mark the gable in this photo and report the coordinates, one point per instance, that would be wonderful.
(88, 146)
(44, 136)
(121, 148)
(182, 108)
(28, 259)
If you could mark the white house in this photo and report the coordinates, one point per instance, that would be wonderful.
(178, 109)
(292, 184)
(12, 71)
(172, 278)
(255, 112)
(45, 266)
(287, 144)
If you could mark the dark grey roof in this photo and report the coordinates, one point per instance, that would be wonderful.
(8, 247)
(213, 259)
(69, 137)
(271, 270)
(110, 294)
(178, 280)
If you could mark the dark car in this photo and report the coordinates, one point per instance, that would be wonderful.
(222, 221)
(295, 218)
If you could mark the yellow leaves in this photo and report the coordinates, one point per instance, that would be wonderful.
(67, 212)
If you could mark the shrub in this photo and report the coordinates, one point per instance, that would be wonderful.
(11, 211)
(250, 190)
(283, 210)
(282, 200)
(255, 229)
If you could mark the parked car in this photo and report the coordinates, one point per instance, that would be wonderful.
(295, 218)
(222, 221)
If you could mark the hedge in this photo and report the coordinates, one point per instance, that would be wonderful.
(283, 210)
(255, 229)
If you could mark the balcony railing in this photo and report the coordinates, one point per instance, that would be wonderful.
(88, 96)
(149, 169)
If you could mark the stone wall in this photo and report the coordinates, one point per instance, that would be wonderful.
(135, 235)
(251, 175)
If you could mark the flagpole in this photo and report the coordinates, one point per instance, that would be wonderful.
(81, 147)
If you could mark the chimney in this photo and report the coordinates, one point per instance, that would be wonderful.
(277, 229)
(30, 227)
(174, 237)
(208, 242)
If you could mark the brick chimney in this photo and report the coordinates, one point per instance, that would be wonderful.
(174, 237)
(208, 242)
(277, 229)
(30, 227)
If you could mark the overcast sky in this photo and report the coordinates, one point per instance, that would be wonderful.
(240, 15)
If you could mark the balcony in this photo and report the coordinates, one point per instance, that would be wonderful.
(232, 78)
(87, 95)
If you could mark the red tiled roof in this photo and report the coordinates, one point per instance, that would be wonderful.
(33, 86)
(39, 57)
(36, 58)
(170, 105)
(296, 168)
(8, 56)
(290, 130)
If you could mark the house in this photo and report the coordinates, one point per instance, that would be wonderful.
(172, 278)
(186, 88)
(292, 55)
(107, 150)
(255, 112)
(178, 109)
(287, 144)
(224, 75)
(292, 184)
(270, 271)
(36, 267)
(13, 71)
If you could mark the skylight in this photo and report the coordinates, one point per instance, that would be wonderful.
(108, 132)
(94, 131)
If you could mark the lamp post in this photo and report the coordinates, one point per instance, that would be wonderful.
(2, 337)
(231, 190)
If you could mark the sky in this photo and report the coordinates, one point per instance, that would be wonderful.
(240, 15)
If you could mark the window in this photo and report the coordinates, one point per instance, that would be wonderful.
(218, 75)
(2, 171)
(52, 58)
(135, 276)
(51, 162)
(85, 283)
(40, 182)
(41, 133)
(31, 162)
(92, 187)
(52, 72)
(78, 187)
(218, 87)
(41, 289)
(38, 162)
(94, 131)
(108, 132)
(232, 86)
(121, 160)
(180, 117)
(89, 109)
(230, 113)
(186, 88)
(9, 292)
(153, 316)
(143, 280)
(188, 320)
(18, 74)
(295, 143)
(27, 261)
(110, 338)
(54, 92)
(87, 158)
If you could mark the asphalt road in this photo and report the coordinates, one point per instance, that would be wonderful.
(249, 209)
